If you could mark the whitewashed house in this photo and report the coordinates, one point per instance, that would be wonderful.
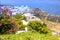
(29, 16)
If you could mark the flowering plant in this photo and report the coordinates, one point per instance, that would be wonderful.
(0, 25)
(7, 24)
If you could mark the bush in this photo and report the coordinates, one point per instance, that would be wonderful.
(7, 25)
(22, 27)
(20, 16)
(38, 26)
(18, 21)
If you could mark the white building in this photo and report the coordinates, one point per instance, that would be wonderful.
(29, 16)
(18, 9)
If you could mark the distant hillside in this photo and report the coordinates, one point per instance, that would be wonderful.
(43, 15)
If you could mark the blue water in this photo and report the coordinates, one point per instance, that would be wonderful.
(52, 7)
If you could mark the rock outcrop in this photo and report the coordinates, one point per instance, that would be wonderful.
(44, 15)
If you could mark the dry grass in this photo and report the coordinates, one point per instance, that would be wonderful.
(54, 26)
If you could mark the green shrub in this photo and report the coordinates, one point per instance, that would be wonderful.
(7, 24)
(22, 27)
(20, 16)
(38, 26)
(18, 20)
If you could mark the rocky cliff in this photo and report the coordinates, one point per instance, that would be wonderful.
(43, 15)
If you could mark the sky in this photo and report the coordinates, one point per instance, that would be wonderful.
(20, 1)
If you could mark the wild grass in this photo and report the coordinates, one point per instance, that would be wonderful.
(28, 36)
